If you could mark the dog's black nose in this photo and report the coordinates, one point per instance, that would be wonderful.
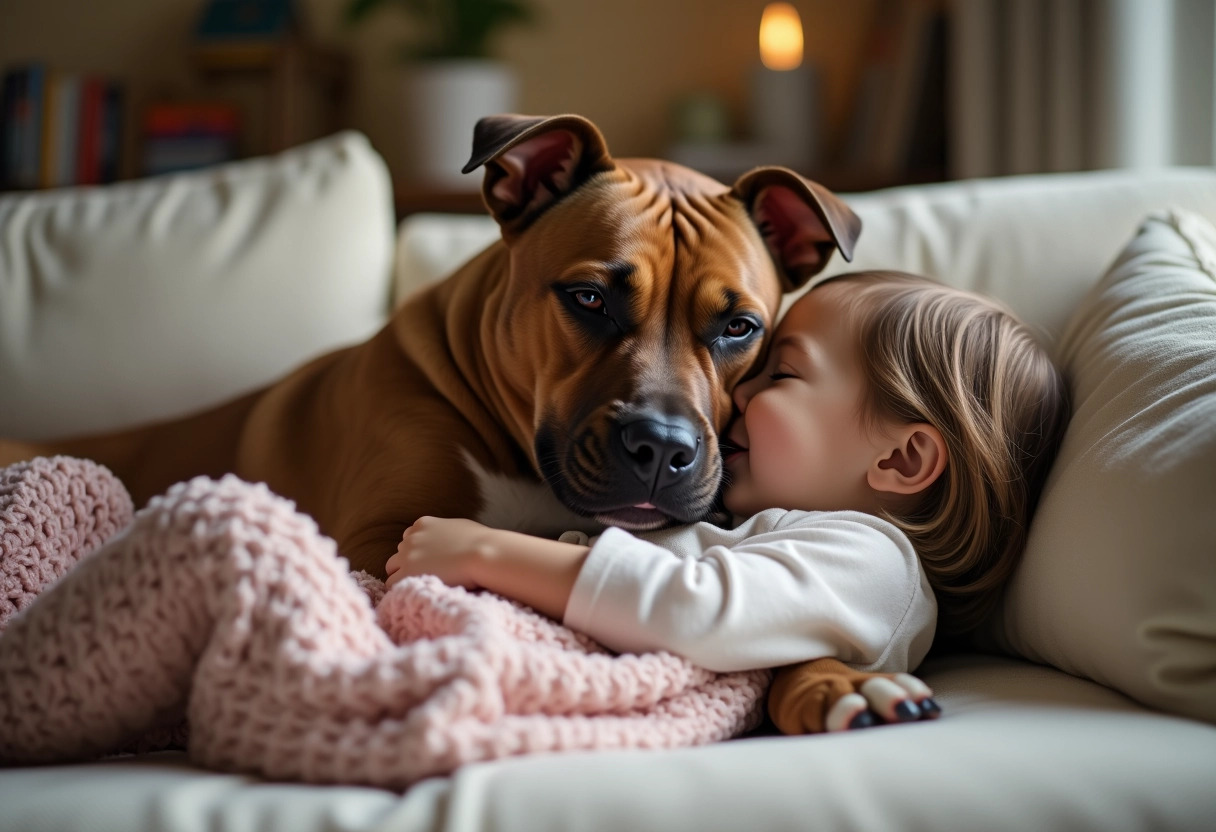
(660, 450)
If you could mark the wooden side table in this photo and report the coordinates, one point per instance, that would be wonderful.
(416, 200)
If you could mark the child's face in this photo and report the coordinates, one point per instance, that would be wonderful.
(804, 443)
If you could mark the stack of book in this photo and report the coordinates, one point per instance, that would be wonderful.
(184, 135)
(58, 128)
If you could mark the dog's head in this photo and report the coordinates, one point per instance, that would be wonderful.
(639, 294)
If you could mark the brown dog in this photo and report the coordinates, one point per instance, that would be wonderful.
(588, 357)
(593, 349)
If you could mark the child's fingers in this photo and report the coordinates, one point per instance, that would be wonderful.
(395, 562)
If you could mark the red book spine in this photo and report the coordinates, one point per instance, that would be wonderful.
(88, 159)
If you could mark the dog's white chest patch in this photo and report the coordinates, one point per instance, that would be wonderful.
(524, 506)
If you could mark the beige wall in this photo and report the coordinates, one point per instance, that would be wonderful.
(619, 62)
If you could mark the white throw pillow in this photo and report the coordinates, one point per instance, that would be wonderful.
(148, 299)
(1118, 582)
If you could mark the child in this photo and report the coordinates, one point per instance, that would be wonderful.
(887, 458)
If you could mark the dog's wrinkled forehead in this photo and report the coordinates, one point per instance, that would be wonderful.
(710, 228)
(673, 178)
(660, 219)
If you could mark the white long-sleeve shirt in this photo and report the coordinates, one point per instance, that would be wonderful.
(781, 587)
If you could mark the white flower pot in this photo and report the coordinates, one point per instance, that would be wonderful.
(443, 101)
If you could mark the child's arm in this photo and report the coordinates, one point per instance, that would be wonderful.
(533, 570)
(783, 587)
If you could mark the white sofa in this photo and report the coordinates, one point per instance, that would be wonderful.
(1093, 703)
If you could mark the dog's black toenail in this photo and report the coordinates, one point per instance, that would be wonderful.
(929, 709)
(907, 711)
(864, 719)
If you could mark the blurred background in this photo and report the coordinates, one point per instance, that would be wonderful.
(858, 95)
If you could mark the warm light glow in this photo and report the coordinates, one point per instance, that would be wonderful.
(780, 36)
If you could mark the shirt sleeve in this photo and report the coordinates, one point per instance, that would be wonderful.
(838, 587)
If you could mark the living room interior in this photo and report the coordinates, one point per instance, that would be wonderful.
(197, 196)
(879, 92)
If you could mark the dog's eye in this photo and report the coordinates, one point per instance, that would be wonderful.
(592, 308)
(589, 299)
(739, 328)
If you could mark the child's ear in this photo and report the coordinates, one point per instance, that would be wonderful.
(913, 460)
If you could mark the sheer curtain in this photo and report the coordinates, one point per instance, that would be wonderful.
(1057, 85)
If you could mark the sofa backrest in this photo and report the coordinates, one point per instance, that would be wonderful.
(1036, 242)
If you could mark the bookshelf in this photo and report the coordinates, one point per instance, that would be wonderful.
(62, 128)
(303, 85)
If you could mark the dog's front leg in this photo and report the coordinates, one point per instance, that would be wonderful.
(369, 549)
(373, 513)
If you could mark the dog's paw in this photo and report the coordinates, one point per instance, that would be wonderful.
(880, 700)
(827, 695)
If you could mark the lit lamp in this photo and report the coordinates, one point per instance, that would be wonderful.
(784, 101)
(784, 91)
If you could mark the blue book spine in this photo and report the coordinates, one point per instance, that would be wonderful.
(8, 145)
(31, 128)
(111, 132)
(15, 116)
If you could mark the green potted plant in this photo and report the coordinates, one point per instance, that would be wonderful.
(448, 29)
(451, 79)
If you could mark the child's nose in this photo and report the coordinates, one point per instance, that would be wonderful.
(744, 393)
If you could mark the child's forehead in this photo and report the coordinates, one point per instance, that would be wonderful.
(818, 320)
(822, 304)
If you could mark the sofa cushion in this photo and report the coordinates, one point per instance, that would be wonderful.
(1020, 748)
(1118, 582)
(432, 246)
(147, 299)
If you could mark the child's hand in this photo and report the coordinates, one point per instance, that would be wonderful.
(532, 570)
(444, 547)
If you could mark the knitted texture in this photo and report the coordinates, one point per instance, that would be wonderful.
(224, 603)
(53, 511)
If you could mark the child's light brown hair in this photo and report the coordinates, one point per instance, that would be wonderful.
(966, 365)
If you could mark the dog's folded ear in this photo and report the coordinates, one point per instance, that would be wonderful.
(532, 161)
(801, 221)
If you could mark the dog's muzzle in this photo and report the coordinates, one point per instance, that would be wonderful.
(641, 472)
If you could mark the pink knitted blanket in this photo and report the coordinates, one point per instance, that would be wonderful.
(222, 603)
